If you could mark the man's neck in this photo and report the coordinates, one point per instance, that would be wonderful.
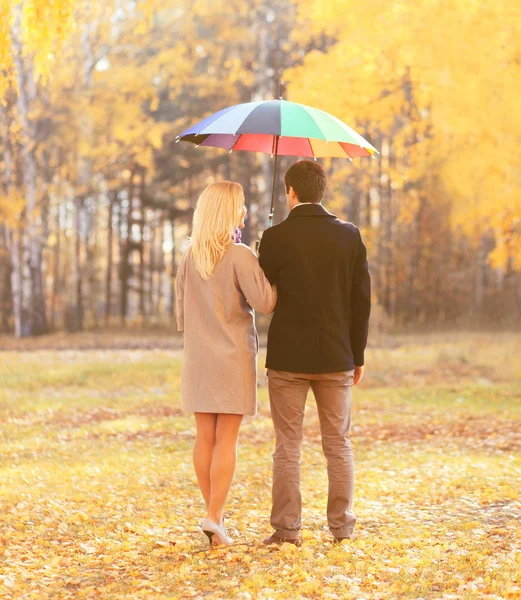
(305, 204)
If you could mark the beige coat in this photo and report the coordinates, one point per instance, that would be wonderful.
(219, 372)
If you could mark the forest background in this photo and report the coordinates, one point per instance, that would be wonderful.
(96, 197)
(98, 494)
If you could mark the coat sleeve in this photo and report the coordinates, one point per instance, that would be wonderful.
(360, 303)
(260, 294)
(180, 293)
(268, 256)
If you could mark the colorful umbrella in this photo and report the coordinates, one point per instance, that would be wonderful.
(279, 128)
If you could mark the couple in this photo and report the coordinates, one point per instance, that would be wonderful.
(312, 272)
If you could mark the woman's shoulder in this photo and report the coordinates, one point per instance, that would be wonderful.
(242, 254)
(186, 255)
(242, 249)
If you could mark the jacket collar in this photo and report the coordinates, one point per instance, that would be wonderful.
(309, 210)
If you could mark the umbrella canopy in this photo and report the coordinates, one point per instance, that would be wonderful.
(279, 128)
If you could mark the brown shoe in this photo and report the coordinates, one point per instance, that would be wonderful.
(276, 539)
(339, 540)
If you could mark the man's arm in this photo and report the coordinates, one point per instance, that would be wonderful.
(268, 256)
(360, 306)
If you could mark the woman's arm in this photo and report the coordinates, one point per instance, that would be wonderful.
(180, 293)
(258, 291)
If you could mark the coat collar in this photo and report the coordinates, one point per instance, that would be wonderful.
(309, 210)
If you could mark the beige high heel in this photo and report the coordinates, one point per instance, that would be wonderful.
(211, 529)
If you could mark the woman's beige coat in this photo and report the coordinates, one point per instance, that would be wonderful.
(219, 373)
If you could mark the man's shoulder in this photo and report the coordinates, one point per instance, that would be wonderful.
(290, 226)
(273, 232)
(347, 226)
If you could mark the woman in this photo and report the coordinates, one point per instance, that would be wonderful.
(219, 283)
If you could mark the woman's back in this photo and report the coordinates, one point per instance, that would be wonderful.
(220, 345)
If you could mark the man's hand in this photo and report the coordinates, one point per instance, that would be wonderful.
(359, 373)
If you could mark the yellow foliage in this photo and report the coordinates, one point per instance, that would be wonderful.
(45, 24)
(11, 206)
(459, 59)
(103, 500)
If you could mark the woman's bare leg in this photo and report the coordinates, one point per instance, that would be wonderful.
(223, 463)
(203, 451)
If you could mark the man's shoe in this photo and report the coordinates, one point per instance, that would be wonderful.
(339, 540)
(276, 539)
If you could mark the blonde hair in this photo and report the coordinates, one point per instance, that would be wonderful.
(217, 215)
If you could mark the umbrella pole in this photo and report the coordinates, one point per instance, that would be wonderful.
(272, 208)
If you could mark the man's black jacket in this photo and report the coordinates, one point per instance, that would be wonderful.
(319, 265)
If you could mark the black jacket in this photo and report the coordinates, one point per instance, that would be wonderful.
(319, 265)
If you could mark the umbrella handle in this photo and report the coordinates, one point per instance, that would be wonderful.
(270, 224)
(272, 208)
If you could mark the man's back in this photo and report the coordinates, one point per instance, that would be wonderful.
(319, 265)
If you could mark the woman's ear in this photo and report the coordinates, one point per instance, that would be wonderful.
(244, 212)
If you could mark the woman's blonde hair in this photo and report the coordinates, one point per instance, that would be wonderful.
(217, 215)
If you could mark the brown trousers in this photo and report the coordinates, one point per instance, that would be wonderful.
(332, 391)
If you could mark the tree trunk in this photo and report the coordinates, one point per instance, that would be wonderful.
(141, 225)
(353, 196)
(125, 258)
(487, 244)
(56, 282)
(152, 268)
(11, 238)
(13, 244)
(391, 223)
(108, 276)
(78, 308)
(25, 102)
(171, 311)
(5, 278)
(92, 258)
(161, 269)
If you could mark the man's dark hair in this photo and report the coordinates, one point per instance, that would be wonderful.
(308, 179)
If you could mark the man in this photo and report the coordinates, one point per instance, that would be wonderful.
(316, 339)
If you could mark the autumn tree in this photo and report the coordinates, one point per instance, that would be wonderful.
(439, 106)
(96, 195)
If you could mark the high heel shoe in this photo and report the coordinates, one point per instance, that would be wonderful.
(211, 529)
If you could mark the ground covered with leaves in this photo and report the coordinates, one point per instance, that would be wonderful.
(98, 496)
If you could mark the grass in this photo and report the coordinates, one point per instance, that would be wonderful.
(99, 499)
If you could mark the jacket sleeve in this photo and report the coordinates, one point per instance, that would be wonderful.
(180, 293)
(360, 303)
(259, 293)
(268, 256)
